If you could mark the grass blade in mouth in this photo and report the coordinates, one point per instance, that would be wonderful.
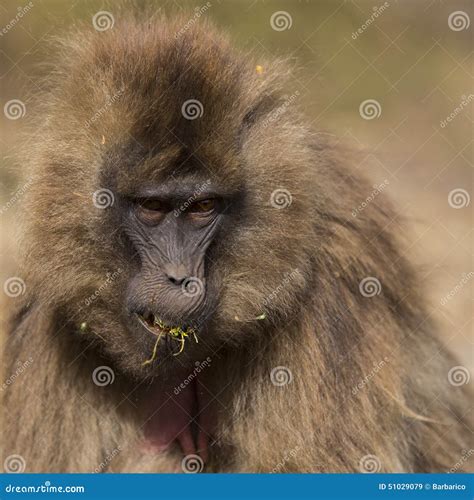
(153, 356)
(177, 333)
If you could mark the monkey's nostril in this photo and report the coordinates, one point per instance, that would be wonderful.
(176, 281)
(176, 273)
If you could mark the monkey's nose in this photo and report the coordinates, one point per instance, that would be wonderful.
(176, 273)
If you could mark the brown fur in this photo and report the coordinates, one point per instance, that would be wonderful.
(318, 324)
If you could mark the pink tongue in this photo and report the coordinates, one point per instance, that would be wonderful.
(172, 409)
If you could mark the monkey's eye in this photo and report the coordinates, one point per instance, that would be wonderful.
(152, 204)
(202, 207)
(150, 211)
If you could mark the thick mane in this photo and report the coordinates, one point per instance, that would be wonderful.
(340, 307)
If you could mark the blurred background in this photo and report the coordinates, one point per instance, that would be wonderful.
(393, 78)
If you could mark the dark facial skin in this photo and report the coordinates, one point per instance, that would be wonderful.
(171, 226)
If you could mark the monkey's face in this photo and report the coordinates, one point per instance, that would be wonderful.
(170, 227)
(205, 258)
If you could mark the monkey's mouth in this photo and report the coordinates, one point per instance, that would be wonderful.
(158, 327)
(163, 331)
(152, 323)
